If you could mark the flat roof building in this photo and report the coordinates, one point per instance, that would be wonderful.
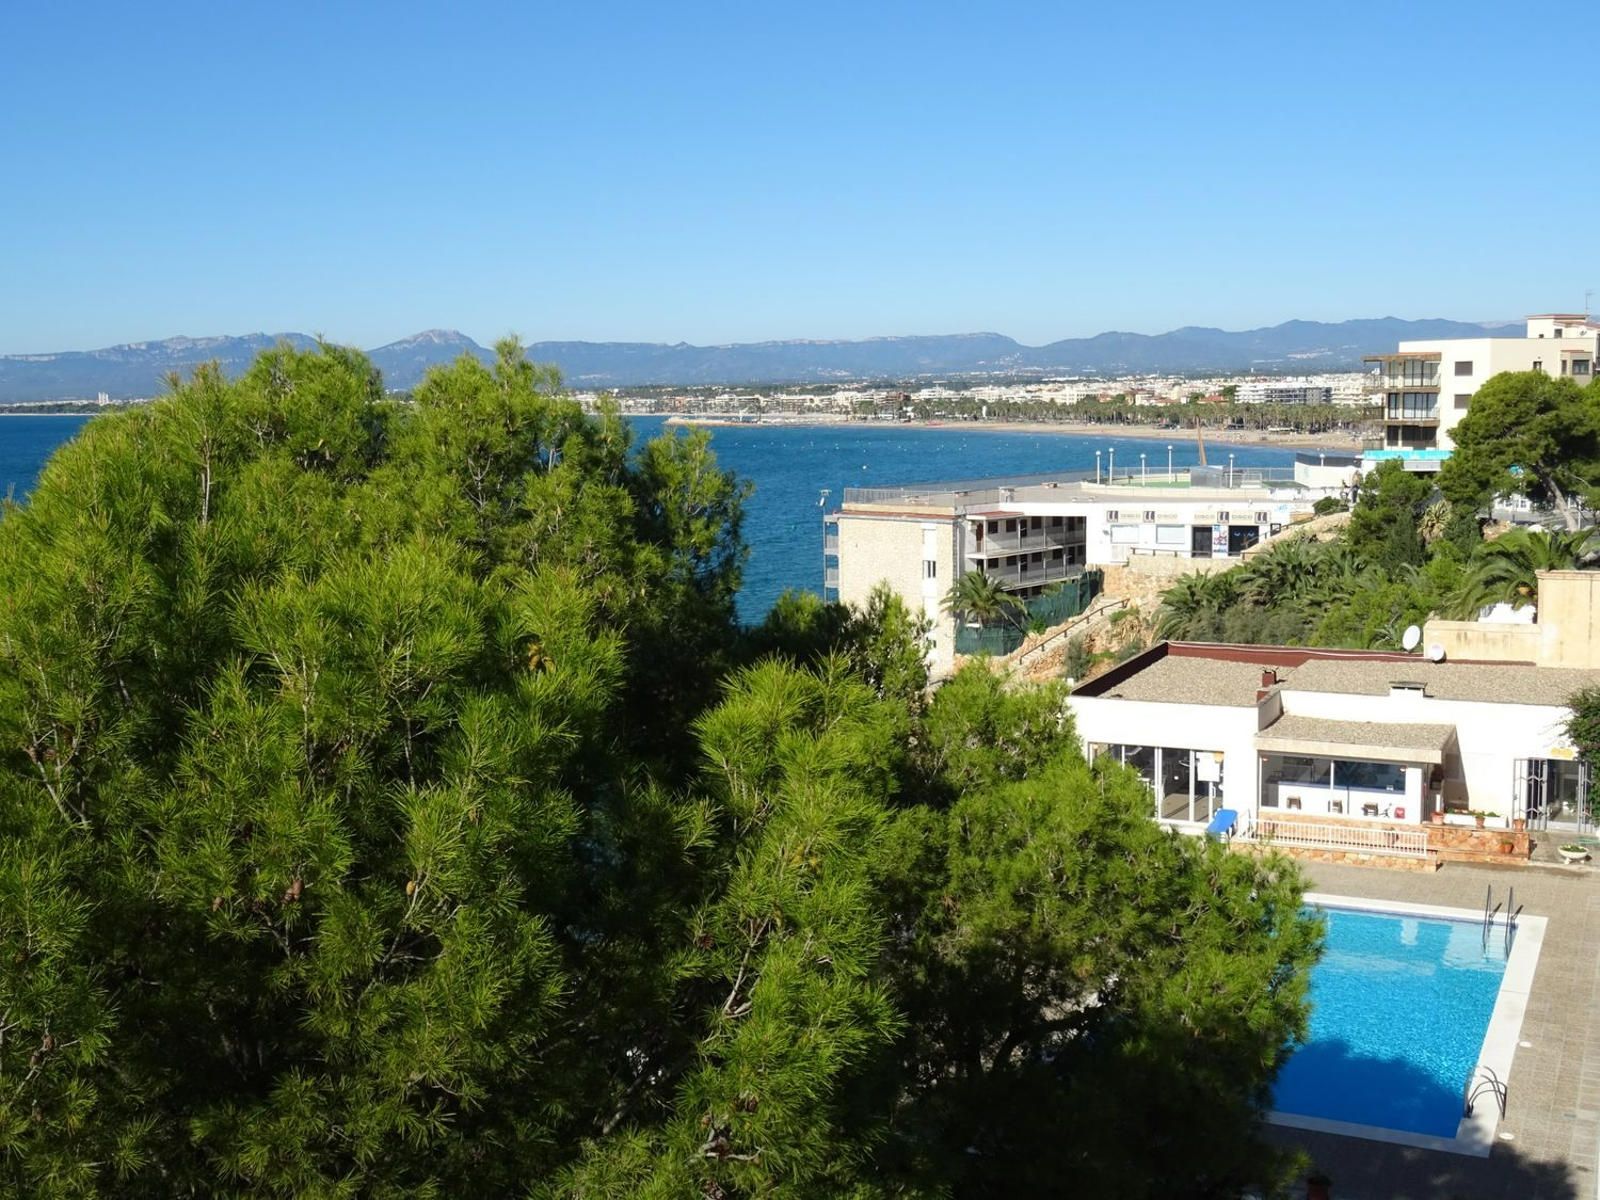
(1428, 385)
(1363, 748)
(1034, 534)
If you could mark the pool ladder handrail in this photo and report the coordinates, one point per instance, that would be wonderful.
(1489, 910)
(1483, 1079)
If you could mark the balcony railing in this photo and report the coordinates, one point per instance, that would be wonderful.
(1018, 543)
(1017, 575)
(1359, 839)
(1401, 415)
(830, 544)
(830, 577)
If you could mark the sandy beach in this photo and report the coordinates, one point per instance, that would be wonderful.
(1334, 440)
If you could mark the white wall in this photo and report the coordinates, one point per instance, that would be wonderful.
(1491, 736)
(1181, 726)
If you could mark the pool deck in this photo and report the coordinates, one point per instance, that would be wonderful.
(1553, 1109)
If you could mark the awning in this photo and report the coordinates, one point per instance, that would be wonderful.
(1366, 740)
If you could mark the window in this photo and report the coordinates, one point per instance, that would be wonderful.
(1172, 535)
(1580, 366)
(1011, 526)
(1538, 364)
(930, 568)
(1369, 776)
(1462, 400)
(1124, 535)
(1463, 368)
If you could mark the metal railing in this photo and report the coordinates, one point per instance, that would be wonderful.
(830, 577)
(1313, 835)
(1030, 574)
(1012, 543)
(830, 544)
(945, 492)
(1239, 477)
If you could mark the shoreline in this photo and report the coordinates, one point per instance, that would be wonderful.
(1339, 440)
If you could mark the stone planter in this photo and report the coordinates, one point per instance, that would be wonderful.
(1572, 855)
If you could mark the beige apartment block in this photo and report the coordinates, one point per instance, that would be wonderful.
(1428, 385)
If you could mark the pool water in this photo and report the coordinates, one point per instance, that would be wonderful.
(1399, 1009)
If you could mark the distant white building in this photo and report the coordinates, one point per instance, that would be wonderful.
(1428, 386)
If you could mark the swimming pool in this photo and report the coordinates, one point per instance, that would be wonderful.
(1407, 1005)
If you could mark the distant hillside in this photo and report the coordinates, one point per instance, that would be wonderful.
(139, 368)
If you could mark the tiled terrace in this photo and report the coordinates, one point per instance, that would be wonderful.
(1553, 1114)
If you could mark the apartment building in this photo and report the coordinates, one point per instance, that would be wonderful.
(1428, 386)
(1034, 533)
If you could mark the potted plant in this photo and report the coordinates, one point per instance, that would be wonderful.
(1507, 846)
(1437, 816)
(1572, 852)
(1479, 816)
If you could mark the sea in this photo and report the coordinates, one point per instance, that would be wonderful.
(799, 472)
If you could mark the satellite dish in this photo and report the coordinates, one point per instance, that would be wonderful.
(1435, 652)
(1412, 637)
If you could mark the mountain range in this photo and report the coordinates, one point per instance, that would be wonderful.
(139, 368)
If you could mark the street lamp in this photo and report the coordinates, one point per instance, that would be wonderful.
(1230, 470)
(1143, 478)
(1169, 462)
(1097, 466)
(1111, 465)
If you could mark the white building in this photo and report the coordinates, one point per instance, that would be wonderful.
(1036, 533)
(1284, 734)
(1428, 385)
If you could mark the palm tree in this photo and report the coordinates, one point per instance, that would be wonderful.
(1280, 575)
(1190, 604)
(1505, 571)
(980, 599)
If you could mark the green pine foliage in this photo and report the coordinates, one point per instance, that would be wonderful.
(389, 806)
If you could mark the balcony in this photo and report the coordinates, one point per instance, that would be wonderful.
(830, 544)
(1413, 382)
(1021, 543)
(1402, 415)
(830, 577)
(1021, 575)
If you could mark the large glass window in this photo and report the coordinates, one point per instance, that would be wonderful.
(1186, 784)
(1177, 783)
(1369, 776)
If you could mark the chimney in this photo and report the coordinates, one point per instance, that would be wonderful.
(1269, 680)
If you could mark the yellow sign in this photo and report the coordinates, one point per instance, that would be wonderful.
(1564, 753)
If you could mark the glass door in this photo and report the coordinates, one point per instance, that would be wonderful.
(1554, 793)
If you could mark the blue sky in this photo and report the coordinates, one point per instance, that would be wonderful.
(748, 171)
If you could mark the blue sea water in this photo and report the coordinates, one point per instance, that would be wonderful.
(790, 465)
(1399, 1009)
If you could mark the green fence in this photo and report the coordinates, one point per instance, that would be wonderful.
(1059, 604)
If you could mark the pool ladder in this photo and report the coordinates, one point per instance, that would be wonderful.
(1483, 1080)
(1490, 908)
